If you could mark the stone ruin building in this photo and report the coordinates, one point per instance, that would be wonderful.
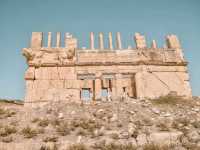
(70, 73)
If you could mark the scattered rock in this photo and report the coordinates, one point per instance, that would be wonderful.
(193, 136)
(114, 118)
(141, 139)
(165, 137)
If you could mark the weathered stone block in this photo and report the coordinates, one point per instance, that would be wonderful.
(30, 73)
(72, 84)
(66, 73)
(59, 84)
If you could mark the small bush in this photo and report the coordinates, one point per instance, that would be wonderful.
(180, 122)
(55, 122)
(7, 130)
(196, 124)
(114, 136)
(6, 113)
(35, 120)
(163, 126)
(28, 132)
(49, 146)
(50, 139)
(2, 111)
(7, 139)
(172, 100)
(113, 146)
(63, 129)
(77, 147)
(43, 122)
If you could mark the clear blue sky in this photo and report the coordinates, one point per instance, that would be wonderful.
(154, 18)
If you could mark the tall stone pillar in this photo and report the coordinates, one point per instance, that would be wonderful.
(58, 38)
(101, 41)
(173, 41)
(97, 88)
(110, 40)
(36, 40)
(153, 44)
(118, 40)
(92, 40)
(49, 39)
(140, 41)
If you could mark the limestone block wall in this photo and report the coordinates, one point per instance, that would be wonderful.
(155, 84)
(51, 83)
(62, 83)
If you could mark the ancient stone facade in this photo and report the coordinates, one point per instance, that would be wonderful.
(70, 73)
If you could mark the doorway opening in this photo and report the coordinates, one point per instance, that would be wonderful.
(86, 94)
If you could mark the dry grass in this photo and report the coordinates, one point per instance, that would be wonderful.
(28, 132)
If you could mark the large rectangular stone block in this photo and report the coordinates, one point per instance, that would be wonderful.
(41, 84)
(30, 73)
(72, 84)
(47, 73)
(66, 73)
(59, 84)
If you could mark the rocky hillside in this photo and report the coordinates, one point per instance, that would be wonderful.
(167, 123)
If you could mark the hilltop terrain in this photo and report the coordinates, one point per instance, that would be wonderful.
(166, 123)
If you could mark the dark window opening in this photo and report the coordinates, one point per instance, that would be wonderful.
(104, 92)
(86, 94)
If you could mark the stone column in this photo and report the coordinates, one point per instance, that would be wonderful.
(118, 40)
(92, 40)
(58, 38)
(140, 41)
(101, 43)
(36, 40)
(153, 44)
(110, 40)
(49, 39)
(97, 88)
